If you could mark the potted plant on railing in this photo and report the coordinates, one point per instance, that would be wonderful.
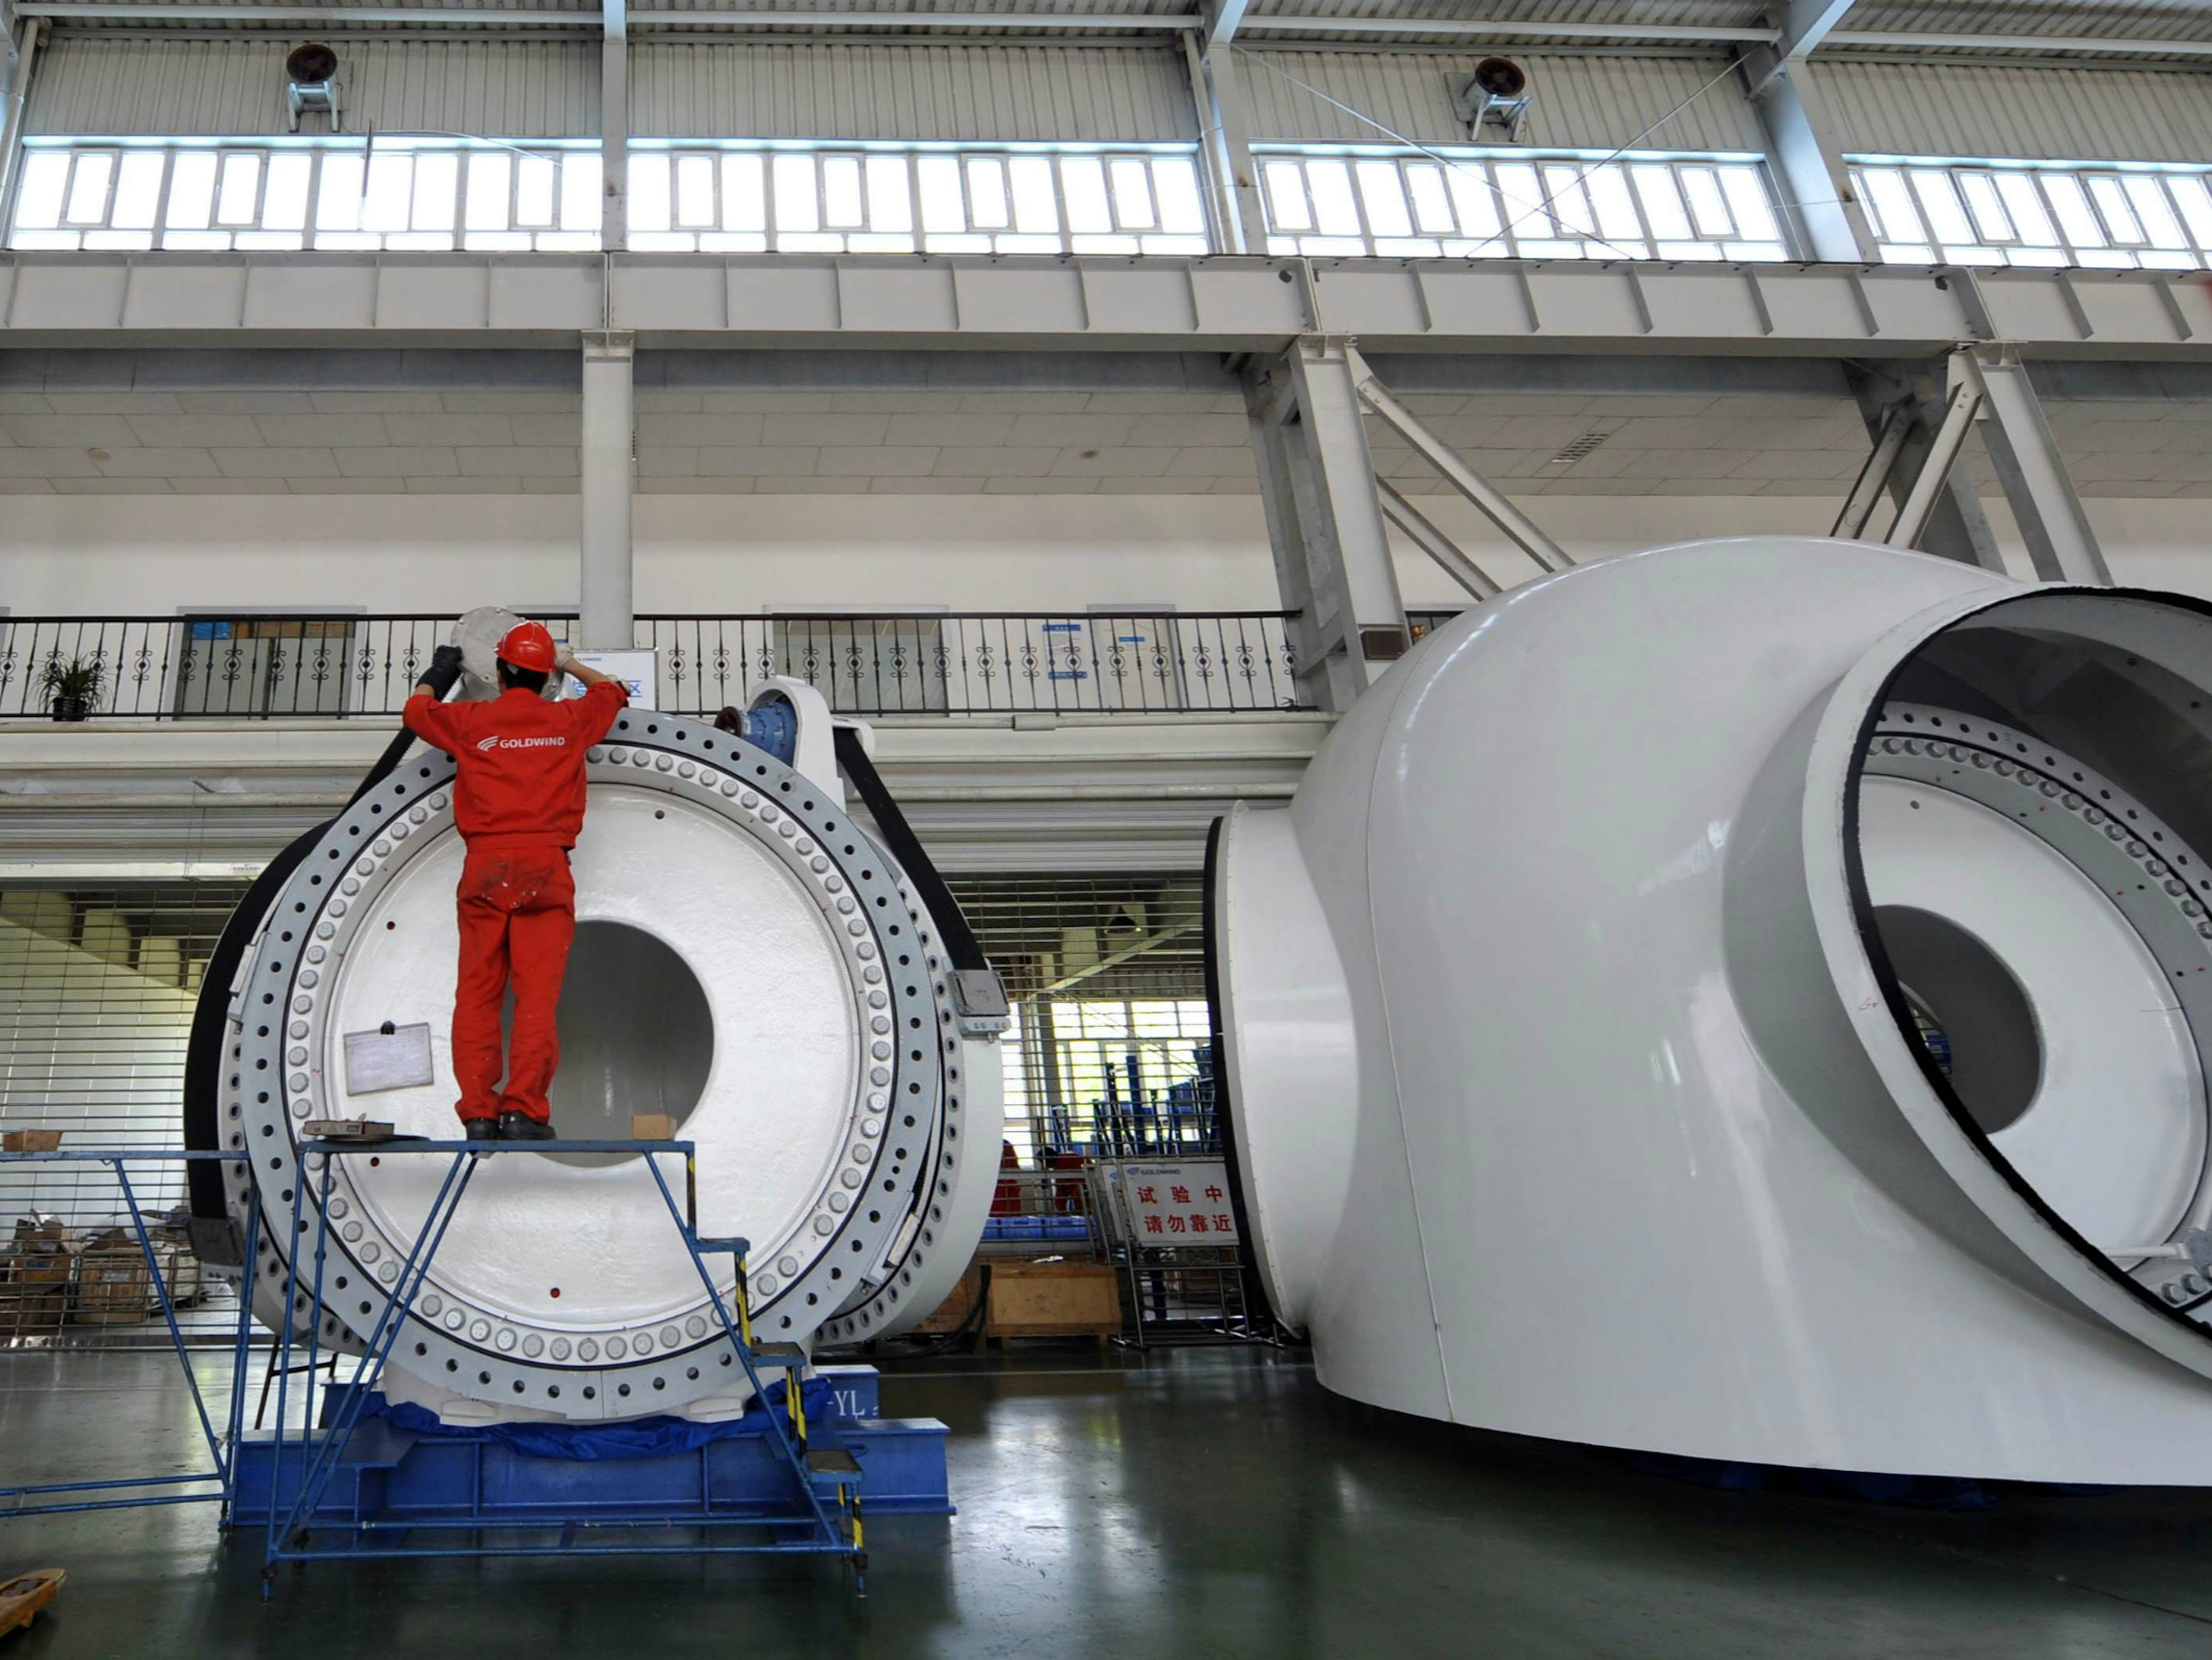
(75, 686)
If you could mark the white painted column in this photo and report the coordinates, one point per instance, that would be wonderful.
(614, 127)
(14, 94)
(1808, 163)
(607, 590)
(1224, 151)
(1325, 521)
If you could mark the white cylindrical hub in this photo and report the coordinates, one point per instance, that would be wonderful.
(748, 962)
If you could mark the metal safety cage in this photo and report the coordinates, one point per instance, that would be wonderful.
(1179, 1287)
(820, 1515)
(83, 1251)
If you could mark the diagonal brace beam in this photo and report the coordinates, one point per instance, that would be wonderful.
(1433, 542)
(1488, 499)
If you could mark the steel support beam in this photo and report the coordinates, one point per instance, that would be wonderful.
(1805, 24)
(1806, 162)
(1954, 526)
(1874, 478)
(1431, 540)
(1325, 521)
(2053, 523)
(1216, 303)
(607, 590)
(1489, 500)
(1224, 149)
(24, 55)
(614, 127)
(1926, 490)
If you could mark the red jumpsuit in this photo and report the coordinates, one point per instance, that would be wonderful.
(519, 804)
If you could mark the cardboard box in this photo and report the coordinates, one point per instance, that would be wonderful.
(31, 1141)
(652, 1126)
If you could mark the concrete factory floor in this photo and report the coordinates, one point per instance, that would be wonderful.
(1207, 1502)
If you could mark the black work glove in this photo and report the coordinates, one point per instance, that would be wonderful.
(445, 668)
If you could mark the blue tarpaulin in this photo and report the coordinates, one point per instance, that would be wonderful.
(632, 1438)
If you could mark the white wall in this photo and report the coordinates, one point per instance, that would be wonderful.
(725, 555)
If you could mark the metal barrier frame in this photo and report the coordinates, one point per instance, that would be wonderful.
(222, 1451)
(288, 1537)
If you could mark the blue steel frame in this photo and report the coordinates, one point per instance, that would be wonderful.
(137, 1491)
(288, 1540)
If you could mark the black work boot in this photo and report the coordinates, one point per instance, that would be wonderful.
(480, 1129)
(520, 1126)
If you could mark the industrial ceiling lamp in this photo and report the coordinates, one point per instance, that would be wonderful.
(311, 83)
(1494, 100)
(1751, 1000)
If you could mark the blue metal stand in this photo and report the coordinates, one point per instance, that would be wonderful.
(816, 1512)
(217, 1485)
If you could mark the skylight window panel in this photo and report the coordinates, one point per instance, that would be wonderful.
(2024, 204)
(891, 197)
(744, 193)
(1285, 184)
(1036, 207)
(842, 195)
(2118, 213)
(1131, 183)
(1329, 183)
(695, 208)
(41, 189)
(1083, 183)
(1986, 208)
(944, 211)
(138, 191)
(797, 209)
(1746, 195)
(1708, 202)
(437, 186)
(87, 202)
(2147, 196)
(1175, 191)
(582, 180)
(535, 180)
(191, 192)
(1382, 193)
(649, 194)
(987, 201)
(486, 208)
(1661, 197)
(238, 193)
(1432, 198)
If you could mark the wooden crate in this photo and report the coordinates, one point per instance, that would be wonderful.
(113, 1287)
(953, 1312)
(1053, 1299)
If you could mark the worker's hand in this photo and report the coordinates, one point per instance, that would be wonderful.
(445, 668)
(564, 660)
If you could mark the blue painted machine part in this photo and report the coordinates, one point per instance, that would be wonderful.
(771, 723)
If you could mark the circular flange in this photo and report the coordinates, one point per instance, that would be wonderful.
(283, 1070)
(2139, 864)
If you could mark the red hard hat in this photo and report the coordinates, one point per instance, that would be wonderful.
(528, 645)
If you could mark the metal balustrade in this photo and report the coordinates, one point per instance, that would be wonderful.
(333, 667)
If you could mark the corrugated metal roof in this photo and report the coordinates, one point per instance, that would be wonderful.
(1968, 28)
(106, 84)
(1000, 92)
(2035, 114)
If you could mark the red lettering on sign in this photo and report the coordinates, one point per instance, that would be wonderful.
(1151, 1224)
(1144, 1196)
(1180, 1196)
(1176, 1225)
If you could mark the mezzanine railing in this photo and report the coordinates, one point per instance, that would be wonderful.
(333, 666)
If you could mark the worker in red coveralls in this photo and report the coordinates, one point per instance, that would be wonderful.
(519, 803)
